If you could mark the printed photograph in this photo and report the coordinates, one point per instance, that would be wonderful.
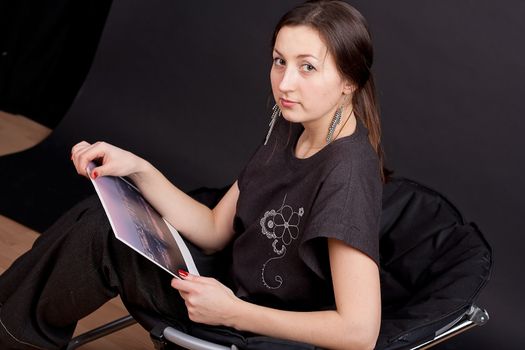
(138, 225)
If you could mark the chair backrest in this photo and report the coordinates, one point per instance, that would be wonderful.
(433, 263)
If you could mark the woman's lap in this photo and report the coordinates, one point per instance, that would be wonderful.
(73, 268)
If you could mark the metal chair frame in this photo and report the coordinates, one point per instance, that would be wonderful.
(101, 331)
(164, 337)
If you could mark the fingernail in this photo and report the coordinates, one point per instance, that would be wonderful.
(182, 273)
(95, 175)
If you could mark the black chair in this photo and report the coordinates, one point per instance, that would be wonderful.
(433, 266)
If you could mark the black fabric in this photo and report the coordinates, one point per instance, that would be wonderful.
(73, 268)
(433, 264)
(287, 207)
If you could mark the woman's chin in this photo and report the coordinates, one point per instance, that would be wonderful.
(292, 117)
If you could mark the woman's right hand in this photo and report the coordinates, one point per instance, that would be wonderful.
(111, 160)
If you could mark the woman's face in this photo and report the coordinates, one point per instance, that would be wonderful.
(305, 81)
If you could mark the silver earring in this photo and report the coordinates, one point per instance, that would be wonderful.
(275, 114)
(335, 121)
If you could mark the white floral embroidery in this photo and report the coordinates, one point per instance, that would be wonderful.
(282, 226)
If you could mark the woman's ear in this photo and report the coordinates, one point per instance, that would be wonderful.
(348, 88)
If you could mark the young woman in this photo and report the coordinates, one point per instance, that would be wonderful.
(302, 218)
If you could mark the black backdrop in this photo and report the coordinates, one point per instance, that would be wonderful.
(186, 85)
(46, 48)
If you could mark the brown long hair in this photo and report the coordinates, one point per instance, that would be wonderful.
(345, 33)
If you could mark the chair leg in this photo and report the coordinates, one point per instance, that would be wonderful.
(101, 331)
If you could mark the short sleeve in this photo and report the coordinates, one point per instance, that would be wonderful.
(347, 207)
(241, 178)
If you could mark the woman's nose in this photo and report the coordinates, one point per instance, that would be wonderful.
(288, 81)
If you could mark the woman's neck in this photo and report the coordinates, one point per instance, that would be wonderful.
(313, 137)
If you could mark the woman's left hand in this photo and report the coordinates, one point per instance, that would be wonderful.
(207, 300)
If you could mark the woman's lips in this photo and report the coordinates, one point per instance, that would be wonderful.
(287, 103)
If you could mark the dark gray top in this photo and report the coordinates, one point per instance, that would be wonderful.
(287, 208)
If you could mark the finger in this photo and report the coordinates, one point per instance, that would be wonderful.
(189, 277)
(182, 286)
(88, 154)
(76, 149)
(202, 280)
(100, 171)
(187, 287)
(183, 295)
(78, 146)
(185, 275)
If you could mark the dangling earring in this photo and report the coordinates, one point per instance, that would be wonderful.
(276, 113)
(335, 121)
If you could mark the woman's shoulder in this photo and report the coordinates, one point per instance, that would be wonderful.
(353, 153)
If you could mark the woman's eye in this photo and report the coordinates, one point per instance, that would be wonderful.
(278, 61)
(308, 67)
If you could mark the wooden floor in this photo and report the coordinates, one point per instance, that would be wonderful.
(18, 133)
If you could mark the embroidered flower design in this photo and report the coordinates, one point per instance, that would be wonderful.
(286, 225)
(282, 226)
(268, 223)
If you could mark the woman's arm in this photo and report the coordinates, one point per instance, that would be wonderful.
(209, 229)
(353, 325)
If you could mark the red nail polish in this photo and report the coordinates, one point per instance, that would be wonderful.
(95, 175)
(182, 273)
